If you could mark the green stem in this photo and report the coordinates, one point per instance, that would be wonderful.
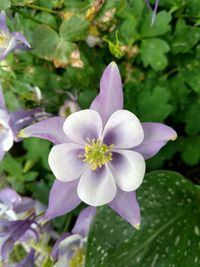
(25, 15)
(41, 8)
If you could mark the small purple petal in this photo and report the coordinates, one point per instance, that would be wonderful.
(7, 248)
(62, 199)
(2, 153)
(110, 98)
(55, 250)
(126, 205)
(23, 118)
(3, 26)
(84, 221)
(10, 198)
(25, 205)
(28, 261)
(2, 101)
(20, 38)
(154, 12)
(50, 129)
(156, 135)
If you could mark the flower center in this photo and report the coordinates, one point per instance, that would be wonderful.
(3, 41)
(97, 154)
(78, 258)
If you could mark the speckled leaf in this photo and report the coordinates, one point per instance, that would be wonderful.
(170, 229)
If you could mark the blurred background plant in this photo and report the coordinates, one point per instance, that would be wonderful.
(72, 42)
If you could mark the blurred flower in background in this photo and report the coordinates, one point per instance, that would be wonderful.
(69, 250)
(70, 106)
(10, 41)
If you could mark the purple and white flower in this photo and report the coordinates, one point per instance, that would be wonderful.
(10, 41)
(70, 247)
(99, 153)
(70, 106)
(12, 122)
(14, 223)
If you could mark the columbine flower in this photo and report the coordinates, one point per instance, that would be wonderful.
(12, 227)
(69, 250)
(70, 106)
(99, 153)
(11, 123)
(10, 41)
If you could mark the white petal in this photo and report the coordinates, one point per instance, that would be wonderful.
(65, 162)
(98, 187)
(83, 125)
(7, 140)
(123, 130)
(128, 169)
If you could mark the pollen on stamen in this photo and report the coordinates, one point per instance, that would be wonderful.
(96, 153)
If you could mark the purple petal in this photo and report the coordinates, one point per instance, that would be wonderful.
(110, 98)
(55, 250)
(28, 261)
(23, 118)
(65, 161)
(83, 125)
(2, 101)
(156, 135)
(128, 169)
(4, 53)
(97, 187)
(20, 38)
(3, 26)
(2, 153)
(84, 221)
(9, 197)
(7, 248)
(62, 199)
(50, 129)
(123, 130)
(25, 205)
(126, 205)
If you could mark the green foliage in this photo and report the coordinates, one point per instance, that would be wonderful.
(169, 234)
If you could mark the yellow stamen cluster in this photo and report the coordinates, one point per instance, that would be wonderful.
(78, 258)
(3, 40)
(97, 154)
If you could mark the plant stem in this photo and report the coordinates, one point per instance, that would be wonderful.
(41, 8)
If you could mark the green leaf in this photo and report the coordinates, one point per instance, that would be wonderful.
(128, 32)
(185, 37)
(153, 53)
(74, 29)
(45, 41)
(160, 26)
(4, 4)
(37, 150)
(192, 77)
(192, 118)
(154, 105)
(63, 53)
(169, 234)
(190, 150)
